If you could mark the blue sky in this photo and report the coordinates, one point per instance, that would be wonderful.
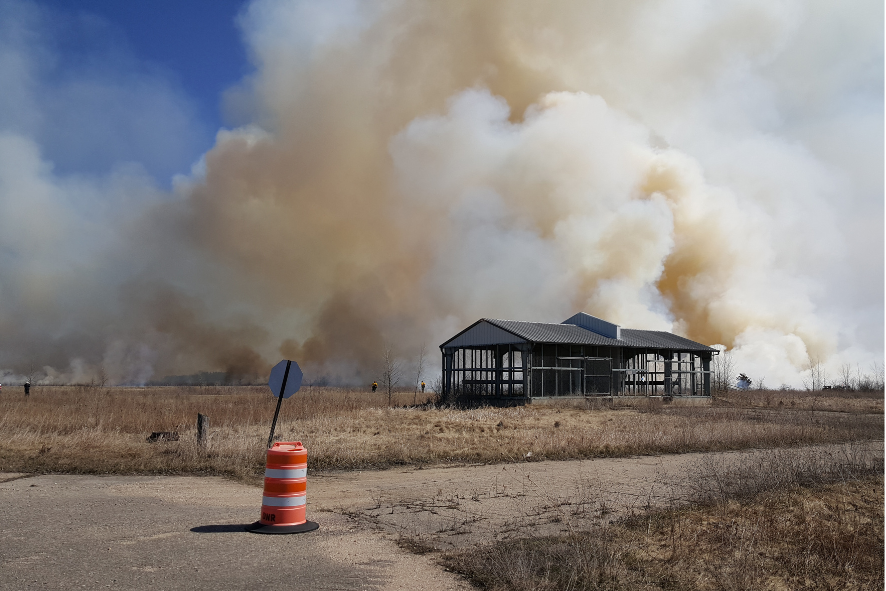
(150, 56)
(196, 42)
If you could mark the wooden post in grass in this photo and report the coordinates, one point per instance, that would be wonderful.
(202, 428)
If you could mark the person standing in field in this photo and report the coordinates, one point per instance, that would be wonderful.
(422, 387)
(374, 386)
(27, 388)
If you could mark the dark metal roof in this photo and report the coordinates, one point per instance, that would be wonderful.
(660, 339)
(542, 332)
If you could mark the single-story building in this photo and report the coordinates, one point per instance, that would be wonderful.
(514, 362)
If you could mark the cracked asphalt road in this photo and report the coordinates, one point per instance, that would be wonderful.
(144, 532)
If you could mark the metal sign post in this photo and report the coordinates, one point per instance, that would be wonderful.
(285, 380)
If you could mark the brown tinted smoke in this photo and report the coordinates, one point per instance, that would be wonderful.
(411, 167)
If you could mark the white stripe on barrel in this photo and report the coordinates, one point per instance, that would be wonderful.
(278, 473)
(284, 501)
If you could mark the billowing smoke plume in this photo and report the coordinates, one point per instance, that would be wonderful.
(401, 169)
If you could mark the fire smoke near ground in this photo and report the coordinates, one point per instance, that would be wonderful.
(397, 170)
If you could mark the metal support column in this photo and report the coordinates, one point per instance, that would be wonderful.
(498, 370)
(706, 373)
(447, 376)
(668, 373)
(526, 358)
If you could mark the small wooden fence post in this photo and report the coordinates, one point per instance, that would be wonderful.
(202, 428)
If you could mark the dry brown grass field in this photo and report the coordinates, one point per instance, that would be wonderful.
(828, 400)
(778, 519)
(104, 430)
(827, 536)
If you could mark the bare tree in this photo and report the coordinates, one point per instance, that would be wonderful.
(391, 372)
(847, 382)
(437, 389)
(418, 371)
(818, 375)
(101, 376)
(879, 375)
(863, 382)
(30, 377)
(723, 370)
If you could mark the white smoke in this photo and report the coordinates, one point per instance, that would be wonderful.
(405, 168)
(572, 208)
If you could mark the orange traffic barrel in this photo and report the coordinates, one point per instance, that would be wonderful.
(284, 501)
